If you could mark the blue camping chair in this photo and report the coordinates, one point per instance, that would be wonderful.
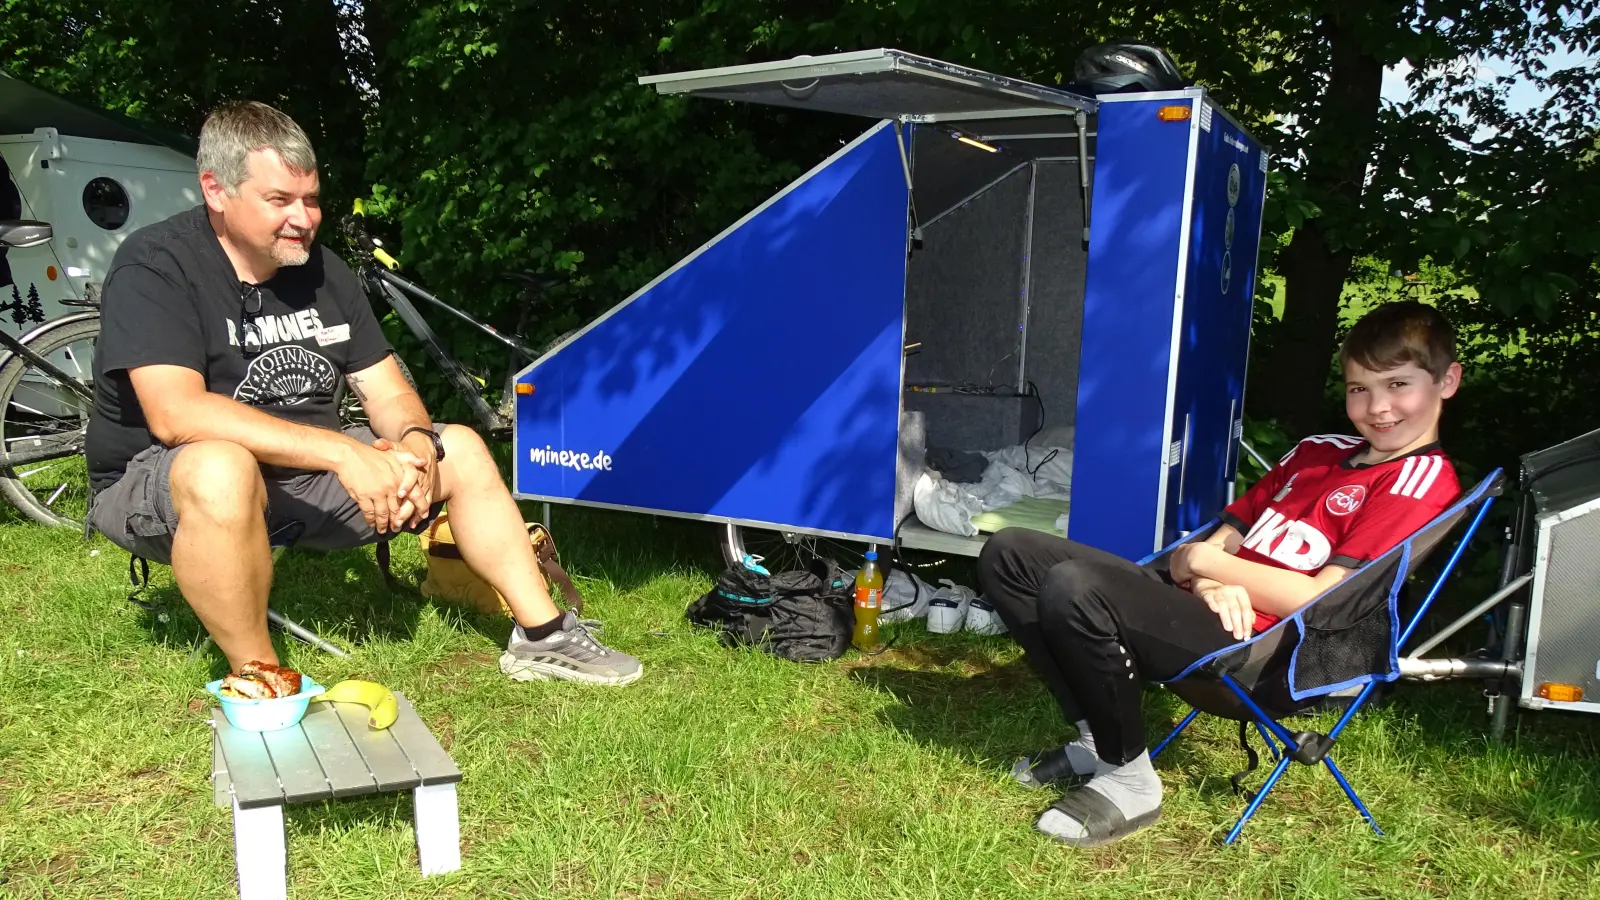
(1348, 637)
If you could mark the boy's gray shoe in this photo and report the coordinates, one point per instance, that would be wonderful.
(571, 654)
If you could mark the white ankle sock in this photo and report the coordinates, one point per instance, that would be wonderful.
(1134, 788)
(1081, 752)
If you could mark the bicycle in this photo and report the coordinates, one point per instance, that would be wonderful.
(378, 272)
(46, 393)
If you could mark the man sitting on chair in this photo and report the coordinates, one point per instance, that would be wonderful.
(224, 333)
(1095, 625)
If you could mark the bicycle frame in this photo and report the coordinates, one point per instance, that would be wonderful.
(18, 348)
(397, 292)
(64, 445)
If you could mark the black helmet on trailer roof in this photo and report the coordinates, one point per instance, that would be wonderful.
(1132, 66)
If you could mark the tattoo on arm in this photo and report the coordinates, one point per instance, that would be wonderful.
(355, 385)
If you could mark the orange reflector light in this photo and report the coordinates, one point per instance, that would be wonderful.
(1561, 693)
(50, 272)
(1175, 113)
(524, 390)
(973, 142)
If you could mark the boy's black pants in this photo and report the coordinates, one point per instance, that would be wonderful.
(1095, 626)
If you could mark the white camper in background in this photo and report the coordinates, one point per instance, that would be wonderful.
(94, 178)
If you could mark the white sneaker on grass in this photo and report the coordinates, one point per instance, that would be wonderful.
(571, 654)
(947, 608)
(982, 618)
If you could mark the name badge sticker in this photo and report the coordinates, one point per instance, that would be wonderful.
(333, 334)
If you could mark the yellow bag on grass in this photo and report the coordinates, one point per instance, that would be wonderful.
(450, 580)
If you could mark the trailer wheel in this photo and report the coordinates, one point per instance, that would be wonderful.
(782, 551)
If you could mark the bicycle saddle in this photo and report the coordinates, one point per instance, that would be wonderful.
(533, 281)
(24, 233)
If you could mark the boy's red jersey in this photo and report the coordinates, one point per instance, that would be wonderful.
(1316, 508)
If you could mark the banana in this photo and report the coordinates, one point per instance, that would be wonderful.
(379, 699)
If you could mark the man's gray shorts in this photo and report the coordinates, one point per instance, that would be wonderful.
(306, 509)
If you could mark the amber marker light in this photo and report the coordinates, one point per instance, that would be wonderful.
(1560, 693)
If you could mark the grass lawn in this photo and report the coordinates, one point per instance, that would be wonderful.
(720, 774)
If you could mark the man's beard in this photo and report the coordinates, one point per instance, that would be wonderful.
(288, 254)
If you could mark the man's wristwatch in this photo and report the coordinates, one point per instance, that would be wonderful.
(438, 445)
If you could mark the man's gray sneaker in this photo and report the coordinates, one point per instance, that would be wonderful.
(571, 654)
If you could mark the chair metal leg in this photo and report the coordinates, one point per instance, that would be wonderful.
(1261, 718)
(1351, 793)
(303, 633)
(200, 649)
(1266, 736)
(291, 627)
(1255, 804)
(1168, 739)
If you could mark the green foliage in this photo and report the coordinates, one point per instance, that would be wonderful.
(514, 135)
(1455, 176)
(1267, 438)
(172, 61)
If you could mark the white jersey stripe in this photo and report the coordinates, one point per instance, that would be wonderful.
(1422, 489)
(1341, 441)
(1424, 465)
(1417, 471)
(1405, 475)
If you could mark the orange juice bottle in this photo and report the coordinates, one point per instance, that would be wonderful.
(869, 598)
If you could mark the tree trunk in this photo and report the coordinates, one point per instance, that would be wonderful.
(328, 106)
(1288, 385)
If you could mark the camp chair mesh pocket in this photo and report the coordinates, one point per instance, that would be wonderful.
(1338, 651)
(1348, 637)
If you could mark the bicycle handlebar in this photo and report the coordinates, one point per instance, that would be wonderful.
(351, 225)
(533, 283)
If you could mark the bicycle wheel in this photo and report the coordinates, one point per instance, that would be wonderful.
(350, 410)
(782, 551)
(38, 414)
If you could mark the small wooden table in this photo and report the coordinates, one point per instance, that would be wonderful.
(331, 753)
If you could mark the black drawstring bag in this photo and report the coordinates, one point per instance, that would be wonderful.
(803, 615)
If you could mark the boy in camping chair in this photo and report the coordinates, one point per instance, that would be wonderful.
(224, 333)
(1095, 625)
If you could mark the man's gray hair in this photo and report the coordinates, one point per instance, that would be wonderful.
(232, 132)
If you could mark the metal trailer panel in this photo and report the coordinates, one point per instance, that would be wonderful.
(757, 380)
(881, 84)
(1563, 644)
(1135, 250)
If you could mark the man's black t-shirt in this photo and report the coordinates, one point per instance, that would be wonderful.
(172, 297)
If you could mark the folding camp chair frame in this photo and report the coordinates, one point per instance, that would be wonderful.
(1308, 747)
(139, 576)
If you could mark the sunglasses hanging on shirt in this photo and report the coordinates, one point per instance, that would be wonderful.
(249, 331)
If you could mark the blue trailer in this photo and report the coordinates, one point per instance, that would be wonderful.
(989, 260)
